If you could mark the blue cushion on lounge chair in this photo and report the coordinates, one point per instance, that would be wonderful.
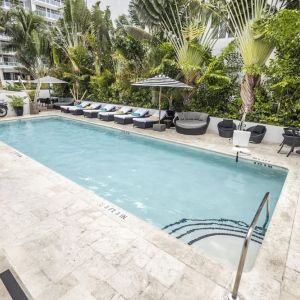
(136, 114)
(103, 109)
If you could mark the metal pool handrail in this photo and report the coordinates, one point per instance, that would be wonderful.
(265, 201)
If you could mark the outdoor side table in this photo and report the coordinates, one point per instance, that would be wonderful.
(168, 123)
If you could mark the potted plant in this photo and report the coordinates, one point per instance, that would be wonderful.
(18, 104)
(33, 105)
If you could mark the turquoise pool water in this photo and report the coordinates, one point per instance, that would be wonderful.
(159, 182)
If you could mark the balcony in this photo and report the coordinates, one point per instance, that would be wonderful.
(48, 15)
(7, 4)
(4, 37)
(50, 3)
(11, 63)
(7, 51)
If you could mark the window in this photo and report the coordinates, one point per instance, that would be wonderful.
(7, 76)
(47, 12)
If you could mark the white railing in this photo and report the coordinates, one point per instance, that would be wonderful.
(265, 202)
(51, 2)
(9, 63)
(4, 37)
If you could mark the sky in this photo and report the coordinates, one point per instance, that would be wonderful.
(118, 7)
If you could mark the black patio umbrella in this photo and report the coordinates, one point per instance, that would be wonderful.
(162, 81)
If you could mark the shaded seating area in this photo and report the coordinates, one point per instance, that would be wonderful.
(291, 138)
(110, 115)
(128, 119)
(149, 121)
(191, 123)
(258, 133)
(79, 110)
(226, 128)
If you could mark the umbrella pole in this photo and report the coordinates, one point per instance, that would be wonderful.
(159, 103)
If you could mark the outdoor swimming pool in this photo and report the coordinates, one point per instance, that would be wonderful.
(201, 197)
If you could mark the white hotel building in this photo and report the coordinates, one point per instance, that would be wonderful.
(49, 9)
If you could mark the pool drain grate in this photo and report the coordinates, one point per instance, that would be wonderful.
(12, 286)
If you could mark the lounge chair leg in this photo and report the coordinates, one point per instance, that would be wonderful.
(280, 148)
(292, 150)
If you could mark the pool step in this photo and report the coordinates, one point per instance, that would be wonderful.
(193, 230)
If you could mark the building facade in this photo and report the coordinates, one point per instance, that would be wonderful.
(48, 9)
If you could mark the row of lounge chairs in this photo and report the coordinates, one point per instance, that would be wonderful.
(139, 117)
(191, 123)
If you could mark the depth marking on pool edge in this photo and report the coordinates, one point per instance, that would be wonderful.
(262, 162)
(114, 211)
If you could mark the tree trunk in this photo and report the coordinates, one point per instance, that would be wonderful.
(248, 85)
(37, 91)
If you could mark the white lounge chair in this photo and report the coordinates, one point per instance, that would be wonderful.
(128, 119)
(109, 116)
(67, 108)
(149, 121)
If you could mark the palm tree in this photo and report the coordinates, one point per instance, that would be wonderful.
(192, 36)
(21, 27)
(99, 38)
(67, 35)
(240, 17)
(4, 18)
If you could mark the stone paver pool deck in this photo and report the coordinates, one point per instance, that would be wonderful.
(64, 242)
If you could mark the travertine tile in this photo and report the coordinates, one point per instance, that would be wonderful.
(77, 293)
(58, 289)
(286, 296)
(154, 291)
(291, 282)
(165, 268)
(192, 286)
(129, 281)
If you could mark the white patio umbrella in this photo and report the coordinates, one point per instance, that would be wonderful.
(162, 81)
(49, 80)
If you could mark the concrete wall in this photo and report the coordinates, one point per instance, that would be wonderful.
(11, 111)
(273, 135)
